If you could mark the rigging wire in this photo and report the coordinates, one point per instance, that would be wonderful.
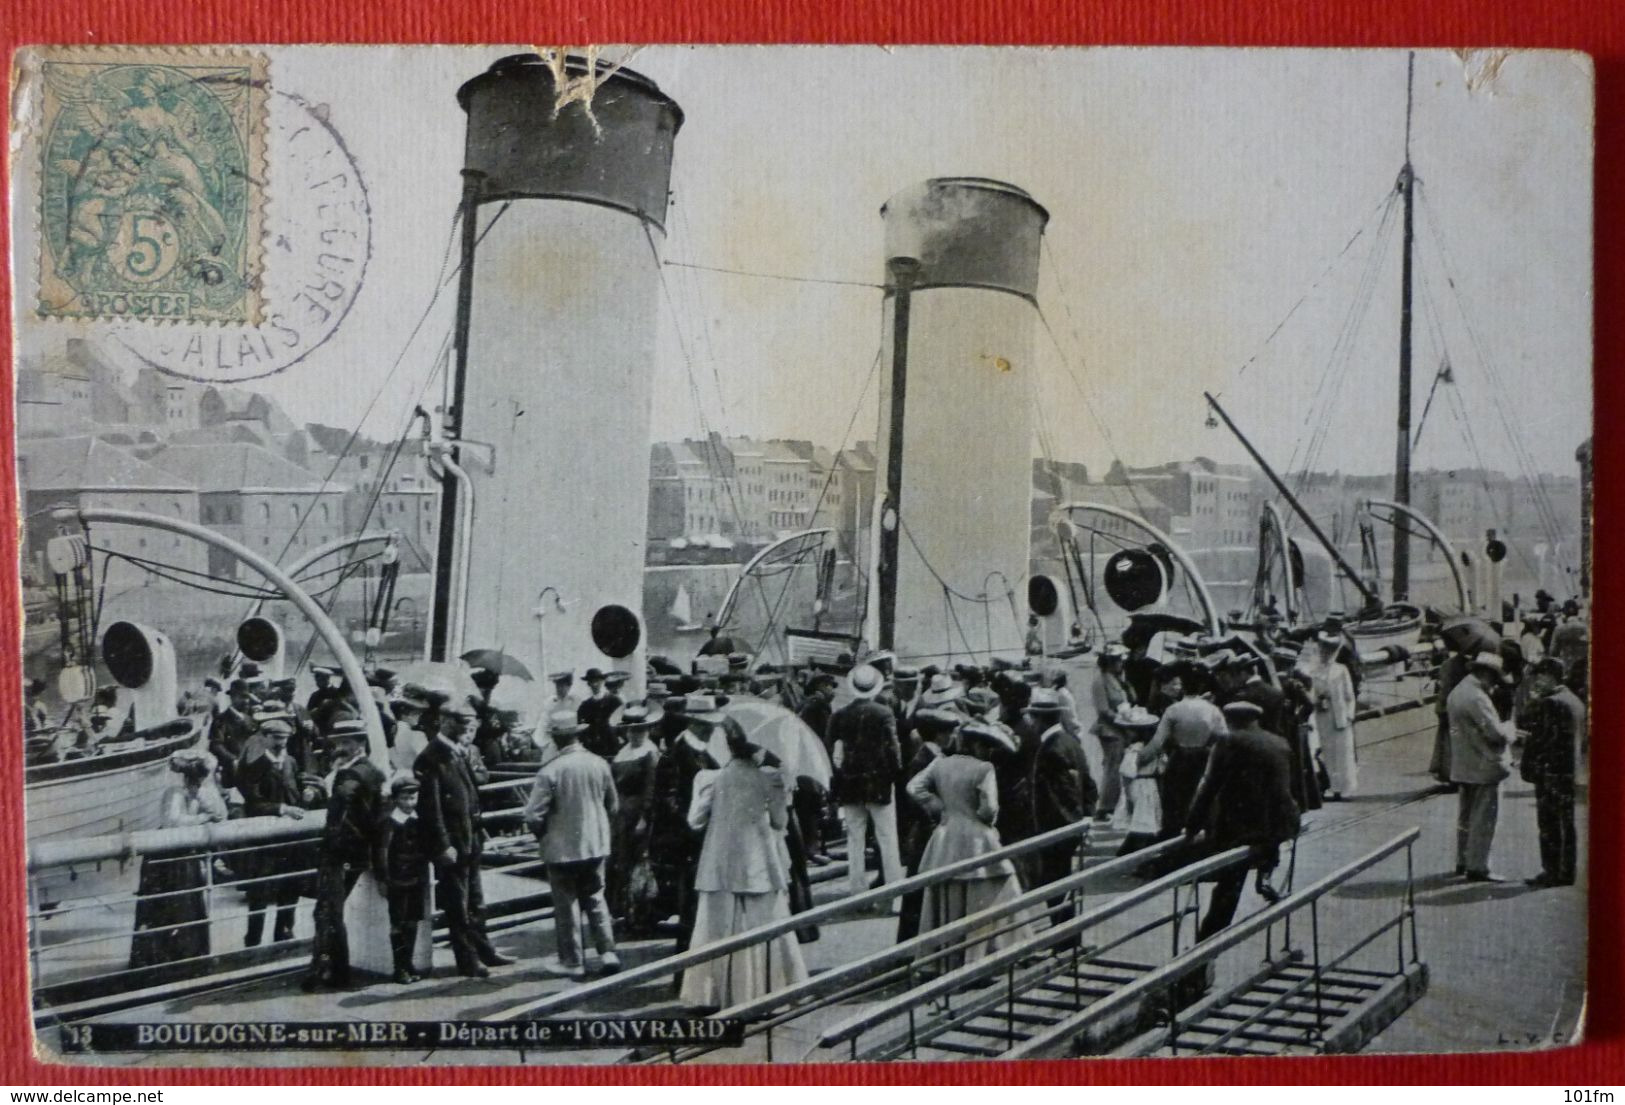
(1071, 370)
(355, 433)
(773, 275)
(1383, 203)
(693, 386)
(1545, 510)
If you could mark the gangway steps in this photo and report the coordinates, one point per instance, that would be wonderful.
(987, 1022)
(1285, 1009)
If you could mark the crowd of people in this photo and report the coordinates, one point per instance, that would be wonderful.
(662, 817)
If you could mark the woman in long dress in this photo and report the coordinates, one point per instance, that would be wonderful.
(171, 909)
(1333, 692)
(743, 878)
(960, 790)
(631, 882)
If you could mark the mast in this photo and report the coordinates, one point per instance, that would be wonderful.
(903, 271)
(451, 424)
(1370, 595)
(1402, 447)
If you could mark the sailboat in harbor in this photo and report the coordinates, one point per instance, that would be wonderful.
(682, 612)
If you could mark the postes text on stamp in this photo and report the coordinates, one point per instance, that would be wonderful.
(152, 184)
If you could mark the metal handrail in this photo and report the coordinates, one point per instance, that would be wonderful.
(1000, 961)
(928, 940)
(660, 968)
(1207, 950)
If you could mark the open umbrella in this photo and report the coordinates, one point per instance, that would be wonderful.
(1468, 634)
(497, 662)
(780, 732)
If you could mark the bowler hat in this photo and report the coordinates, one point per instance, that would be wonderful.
(593, 675)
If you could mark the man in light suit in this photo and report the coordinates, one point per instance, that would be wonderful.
(1478, 745)
(572, 806)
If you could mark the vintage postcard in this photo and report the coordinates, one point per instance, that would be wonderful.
(658, 555)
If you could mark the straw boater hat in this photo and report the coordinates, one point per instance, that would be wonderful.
(563, 723)
(940, 692)
(865, 681)
(990, 731)
(1043, 702)
(703, 708)
(348, 729)
(636, 716)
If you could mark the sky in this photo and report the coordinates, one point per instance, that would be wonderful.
(1197, 199)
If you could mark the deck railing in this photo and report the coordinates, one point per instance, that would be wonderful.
(218, 849)
(855, 907)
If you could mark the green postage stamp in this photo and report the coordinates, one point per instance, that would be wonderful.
(152, 184)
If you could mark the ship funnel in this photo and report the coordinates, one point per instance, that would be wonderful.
(260, 640)
(142, 660)
(566, 172)
(952, 525)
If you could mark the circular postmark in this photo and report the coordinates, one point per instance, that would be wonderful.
(317, 242)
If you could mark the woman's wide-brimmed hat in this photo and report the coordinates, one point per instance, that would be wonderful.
(193, 761)
(990, 731)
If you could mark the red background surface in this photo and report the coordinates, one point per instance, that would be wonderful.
(1598, 28)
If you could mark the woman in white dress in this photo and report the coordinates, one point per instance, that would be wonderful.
(960, 790)
(1333, 693)
(743, 878)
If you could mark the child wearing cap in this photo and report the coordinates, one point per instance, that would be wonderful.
(401, 866)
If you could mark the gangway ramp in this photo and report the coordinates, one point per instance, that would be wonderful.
(1317, 994)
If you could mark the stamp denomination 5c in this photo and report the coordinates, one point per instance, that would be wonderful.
(152, 184)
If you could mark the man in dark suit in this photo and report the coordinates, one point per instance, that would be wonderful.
(231, 729)
(868, 760)
(1555, 720)
(1064, 793)
(449, 812)
(596, 713)
(674, 844)
(1244, 799)
(271, 787)
(346, 851)
(819, 705)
